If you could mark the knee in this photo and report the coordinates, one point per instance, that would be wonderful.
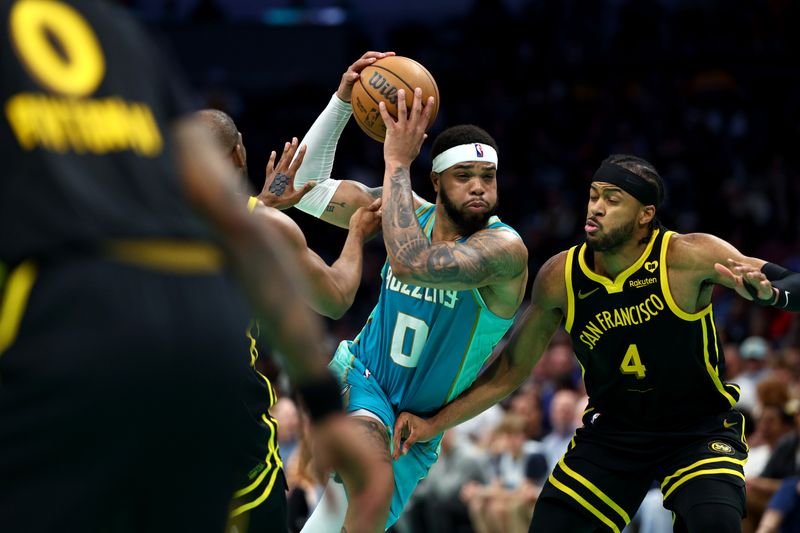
(375, 494)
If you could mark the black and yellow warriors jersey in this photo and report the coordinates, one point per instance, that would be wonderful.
(84, 130)
(645, 361)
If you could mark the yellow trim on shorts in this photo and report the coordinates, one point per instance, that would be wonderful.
(619, 282)
(272, 452)
(184, 257)
(570, 295)
(273, 441)
(258, 501)
(744, 439)
(596, 491)
(694, 465)
(585, 504)
(15, 296)
(702, 473)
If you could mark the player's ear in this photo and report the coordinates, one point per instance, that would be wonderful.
(435, 181)
(646, 214)
(238, 156)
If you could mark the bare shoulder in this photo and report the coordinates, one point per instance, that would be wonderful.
(282, 223)
(549, 287)
(692, 250)
(699, 252)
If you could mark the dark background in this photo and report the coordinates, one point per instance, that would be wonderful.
(705, 90)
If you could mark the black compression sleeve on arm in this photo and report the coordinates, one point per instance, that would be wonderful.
(787, 283)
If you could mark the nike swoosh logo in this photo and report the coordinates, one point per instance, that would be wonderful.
(582, 295)
(728, 424)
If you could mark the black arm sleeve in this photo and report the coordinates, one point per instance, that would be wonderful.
(787, 283)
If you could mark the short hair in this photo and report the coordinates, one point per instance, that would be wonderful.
(463, 134)
(221, 126)
(642, 168)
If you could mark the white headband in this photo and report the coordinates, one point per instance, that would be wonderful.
(463, 153)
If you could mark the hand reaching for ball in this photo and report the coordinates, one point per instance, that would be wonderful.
(278, 190)
(350, 76)
(405, 135)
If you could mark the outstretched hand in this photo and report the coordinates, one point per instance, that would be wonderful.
(278, 190)
(352, 73)
(367, 220)
(740, 275)
(405, 135)
(410, 429)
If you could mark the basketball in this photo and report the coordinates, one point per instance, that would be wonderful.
(380, 82)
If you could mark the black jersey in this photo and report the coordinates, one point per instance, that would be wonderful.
(84, 141)
(645, 361)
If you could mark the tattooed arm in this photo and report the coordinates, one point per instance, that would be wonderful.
(488, 257)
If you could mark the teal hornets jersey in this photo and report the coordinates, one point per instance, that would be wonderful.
(425, 346)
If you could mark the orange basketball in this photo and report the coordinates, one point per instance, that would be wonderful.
(380, 82)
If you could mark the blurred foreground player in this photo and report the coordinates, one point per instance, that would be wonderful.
(120, 324)
(636, 299)
(259, 504)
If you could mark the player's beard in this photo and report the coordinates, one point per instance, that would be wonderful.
(614, 238)
(467, 223)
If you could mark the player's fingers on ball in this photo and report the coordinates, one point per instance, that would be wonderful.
(387, 118)
(416, 103)
(402, 108)
(428, 109)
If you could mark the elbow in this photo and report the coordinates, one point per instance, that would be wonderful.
(339, 304)
(337, 310)
(402, 270)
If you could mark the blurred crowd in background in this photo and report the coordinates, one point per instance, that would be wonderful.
(706, 90)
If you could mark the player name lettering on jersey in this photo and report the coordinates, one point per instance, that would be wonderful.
(83, 125)
(633, 315)
(638, 283)
(447, 298)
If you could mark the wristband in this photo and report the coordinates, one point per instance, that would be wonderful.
(752, 291)
(787, 284)
(320, 397)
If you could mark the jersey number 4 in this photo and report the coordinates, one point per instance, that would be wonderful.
(632, 363)
(408, 339)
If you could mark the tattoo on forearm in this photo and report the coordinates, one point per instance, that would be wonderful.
(376, 436)
(333, 205)
(482, 257)
(278, 185)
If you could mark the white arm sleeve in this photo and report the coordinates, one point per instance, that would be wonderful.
(321, 141)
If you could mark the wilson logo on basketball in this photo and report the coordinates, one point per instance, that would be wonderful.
(384, 88)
